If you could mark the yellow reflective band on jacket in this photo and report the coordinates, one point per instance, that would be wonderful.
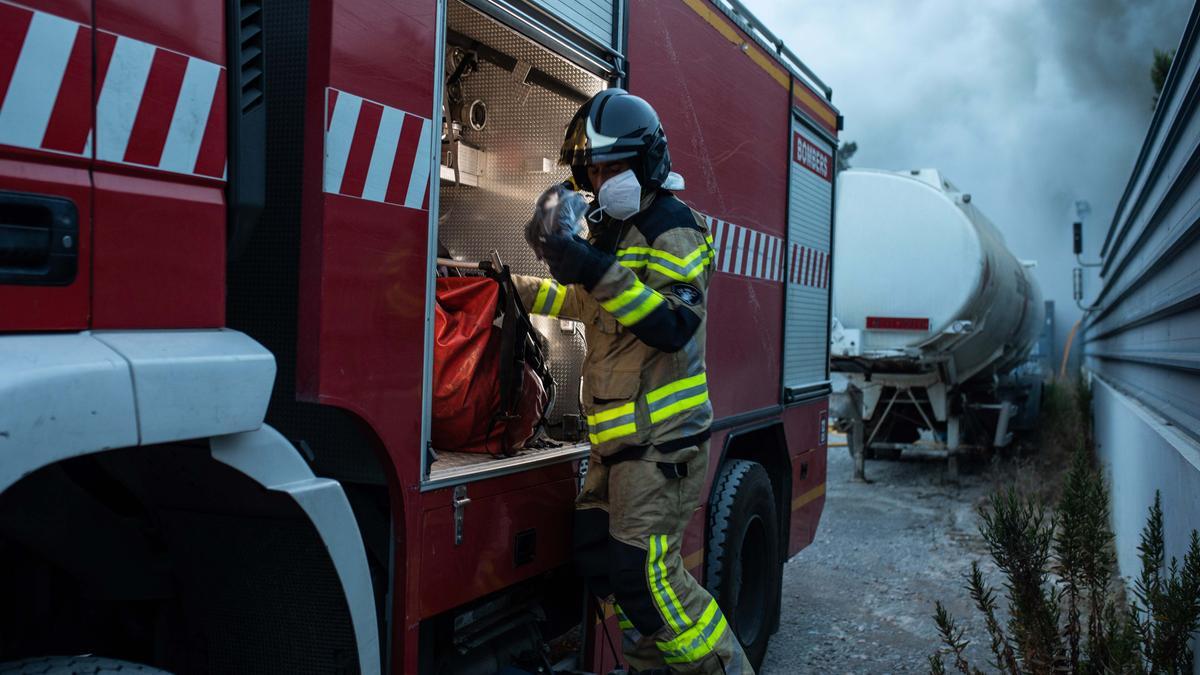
(612, 423)
(698, 641)
(680, 269)
(676, 397)
(550, 297)
(633, 304)
(622, 620)
(664, 596)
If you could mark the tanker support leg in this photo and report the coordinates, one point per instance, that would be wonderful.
(856, 441)
(952, 448)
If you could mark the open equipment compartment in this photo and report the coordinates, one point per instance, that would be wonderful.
(504, 117)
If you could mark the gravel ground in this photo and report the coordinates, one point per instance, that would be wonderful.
(860, 599)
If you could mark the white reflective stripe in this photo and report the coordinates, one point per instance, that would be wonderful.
(36, 80)
(760, 269)
(339, 136)
(774, 267)
(384, 153)
(726, 245)
(419, 179)
(754, 254)
(121, 97)
(739, 254)
(191, 116)
(771, 253)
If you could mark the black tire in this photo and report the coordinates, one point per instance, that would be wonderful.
(76, 665)
(744, 569)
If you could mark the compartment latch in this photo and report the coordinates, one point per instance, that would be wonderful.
(460, 502)
(39, 240)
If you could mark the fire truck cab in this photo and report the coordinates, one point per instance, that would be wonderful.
(220, 225)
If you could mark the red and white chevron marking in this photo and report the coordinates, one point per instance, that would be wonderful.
(155, 107)
(376, 152)
(750, 253)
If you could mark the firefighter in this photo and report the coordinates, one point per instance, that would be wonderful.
(639, 285)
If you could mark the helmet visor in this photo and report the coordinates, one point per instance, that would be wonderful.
(583, 145)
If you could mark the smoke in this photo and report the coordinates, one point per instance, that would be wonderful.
(1028, 105)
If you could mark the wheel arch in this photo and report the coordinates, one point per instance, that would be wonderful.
(86, 394)
(766, 444)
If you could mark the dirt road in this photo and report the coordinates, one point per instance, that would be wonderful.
(860, 598)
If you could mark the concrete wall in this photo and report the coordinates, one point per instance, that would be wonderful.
(1141, 453)
(1142, 339)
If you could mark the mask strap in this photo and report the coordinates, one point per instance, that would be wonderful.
(596, 215)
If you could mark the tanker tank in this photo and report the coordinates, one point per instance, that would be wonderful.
(932, 313)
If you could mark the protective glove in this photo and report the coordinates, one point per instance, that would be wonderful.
(559, 210)
(574, 261)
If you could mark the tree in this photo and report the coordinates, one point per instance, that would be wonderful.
(1159, 69)
(845, 152)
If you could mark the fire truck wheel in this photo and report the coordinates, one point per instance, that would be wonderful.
(76, 665)
(744, 572)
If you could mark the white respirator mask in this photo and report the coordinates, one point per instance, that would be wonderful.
(620, 197)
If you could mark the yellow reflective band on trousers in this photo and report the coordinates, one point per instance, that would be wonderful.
(676, 397)
(680, 269)
(660, 587)
(612, 423)
(549, 300)
(632, 305)
(699, 641)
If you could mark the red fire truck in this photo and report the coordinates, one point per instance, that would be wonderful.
(219, 229)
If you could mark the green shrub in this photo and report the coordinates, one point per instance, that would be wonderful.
(1065, 609)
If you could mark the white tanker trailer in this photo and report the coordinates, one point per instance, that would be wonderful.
(931, 313)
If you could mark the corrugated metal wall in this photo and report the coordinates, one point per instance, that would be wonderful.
(810, 210)
(1145, 335)
(1142, 343)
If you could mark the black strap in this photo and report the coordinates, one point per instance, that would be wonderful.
(517, 348)
(684, 442)
(673, 471)
(512, 349)
(631, 452)
(625, 454)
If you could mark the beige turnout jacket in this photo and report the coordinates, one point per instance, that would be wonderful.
(644, 379)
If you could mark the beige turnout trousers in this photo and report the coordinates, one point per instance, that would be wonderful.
(630, 518)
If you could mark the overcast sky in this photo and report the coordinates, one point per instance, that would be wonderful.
(1028, 105)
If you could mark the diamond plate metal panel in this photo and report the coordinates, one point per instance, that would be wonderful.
(524, 127)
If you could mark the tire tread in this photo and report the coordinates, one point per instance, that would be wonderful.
(76, 665)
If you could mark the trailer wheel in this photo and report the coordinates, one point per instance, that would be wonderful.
(76, 665)
(744, 571)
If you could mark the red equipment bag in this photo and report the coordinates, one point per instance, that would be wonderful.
(468, 360)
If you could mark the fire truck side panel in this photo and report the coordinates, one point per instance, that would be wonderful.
(533, 537)
(45, 114)
(159, 141)
(159, 252)
(363, 258)
(715, 104)
(49, 307)
(805, 426)
(194, 28)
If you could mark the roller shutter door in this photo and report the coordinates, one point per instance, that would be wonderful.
(810, 219)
